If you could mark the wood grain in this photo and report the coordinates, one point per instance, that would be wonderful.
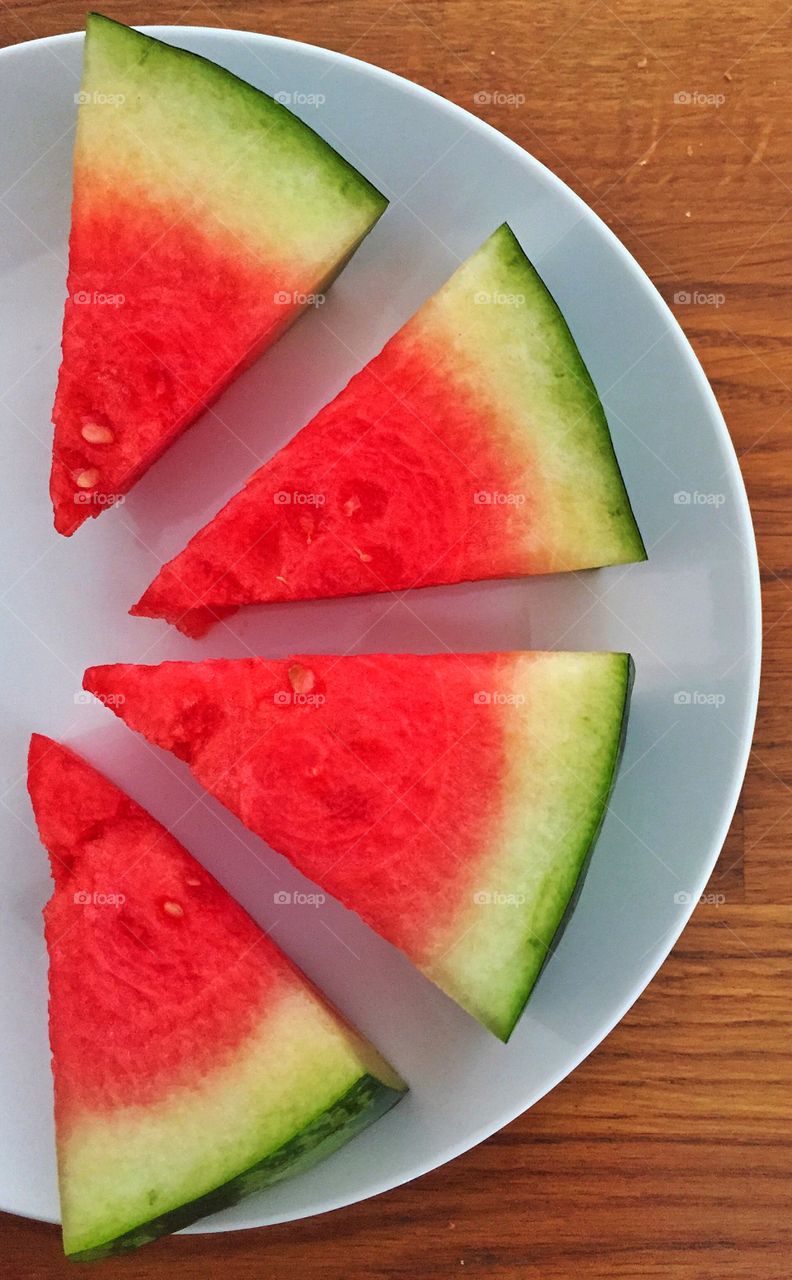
(668, 1152)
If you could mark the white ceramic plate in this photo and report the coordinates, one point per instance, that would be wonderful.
(690, 616)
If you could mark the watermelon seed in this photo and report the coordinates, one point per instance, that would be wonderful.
(193, 884)
(280, 578)
(173, 908)
(95, 433)
(351, 506)
(363, 555)
(301, 679)
(88, 479)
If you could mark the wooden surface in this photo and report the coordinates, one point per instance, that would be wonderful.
(668, 1152)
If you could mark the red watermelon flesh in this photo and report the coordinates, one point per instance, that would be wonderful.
(205, 217)
(474, 446)
(116, 414)
(450, 800)
(192, 1062)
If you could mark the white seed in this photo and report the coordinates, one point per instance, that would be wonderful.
(88, 479)
(301, 679)
(363, 555)
(173, 908)
(351, 506)
(95, 433)
(194, 884)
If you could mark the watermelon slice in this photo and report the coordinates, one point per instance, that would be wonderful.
(451, 800)
(473, 446)
(193, 1063)
(205, 217)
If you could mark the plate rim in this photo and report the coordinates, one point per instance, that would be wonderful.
(751, 570)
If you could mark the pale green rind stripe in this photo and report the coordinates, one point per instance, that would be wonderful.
(294, 1089)
(364, 1103)
(157, 119)
(508, 346)
(562, 746)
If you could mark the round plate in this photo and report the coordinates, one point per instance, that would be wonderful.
(690, 615)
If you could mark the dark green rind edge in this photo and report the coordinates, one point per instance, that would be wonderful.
(512, 244)
(367, 189)
(504, 1029)
(367, 1100)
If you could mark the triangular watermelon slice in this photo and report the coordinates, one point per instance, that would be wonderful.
(474, 446)
(193, 1063)
(205, 217)
(451, 800)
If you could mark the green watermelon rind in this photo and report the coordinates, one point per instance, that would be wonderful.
(367, 1100)
(578, 863)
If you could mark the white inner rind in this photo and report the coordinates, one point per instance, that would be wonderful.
(161, 121)
(120, 1168)
(562, 732)
(507, 346)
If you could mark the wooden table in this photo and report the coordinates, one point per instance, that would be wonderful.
(668, 1152)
